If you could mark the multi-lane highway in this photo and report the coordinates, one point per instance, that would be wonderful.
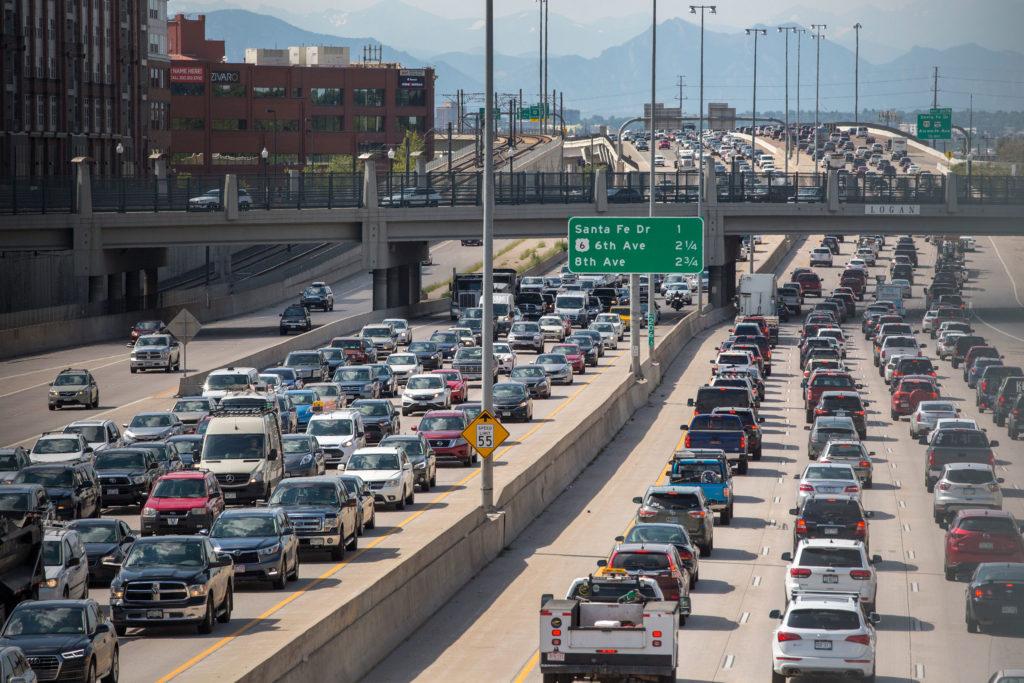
(489, 630)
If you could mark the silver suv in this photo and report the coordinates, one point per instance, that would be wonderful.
(73, 387)
(966, 485)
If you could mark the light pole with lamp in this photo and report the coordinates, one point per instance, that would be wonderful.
(274, 112)
(265, 156)
(391, 167)
(818, 37)
(856, 73)
(405, 184)
(787, 30)
(753, 125)
(487, 295)
(119, 149)
(700, 142)
(799, 34)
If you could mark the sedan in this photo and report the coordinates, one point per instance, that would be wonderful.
(535, 379)
(512, 401)
(923, 420)
(552, 327)
(261, 542)
(557, 367)
(428, 353)
(404, 365)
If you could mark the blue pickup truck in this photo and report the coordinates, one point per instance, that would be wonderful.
(713, 476)
(719, 431)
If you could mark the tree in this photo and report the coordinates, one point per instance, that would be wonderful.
(1010, 149)
(416, 144)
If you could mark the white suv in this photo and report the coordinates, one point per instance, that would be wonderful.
(58, 447)
(832, 565)
(823, 634)
(388, 472)
(821, 256)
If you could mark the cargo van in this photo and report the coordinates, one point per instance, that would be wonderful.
(243, 450)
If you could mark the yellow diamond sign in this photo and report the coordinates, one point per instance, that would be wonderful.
(485, 434)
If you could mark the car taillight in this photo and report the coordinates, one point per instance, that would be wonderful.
(697, 514)
(1002, 400)
(685, 555)
(800, 527)
(943, 486)
(991, 460)
(1016, 412)
(934, 394)
(798, 573)
(984, 385)
(860, 574)
(820, 411)
(851, 489)
(686, 441)
(743, 442)
(861, 528)
(980, 593)
(785, 636)
(859, 639)
(931, 458)
(806, 487)
(864, 463)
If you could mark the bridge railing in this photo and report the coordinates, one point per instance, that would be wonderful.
(464, 189)
(901, 189)
(37, 195)
(981, 189)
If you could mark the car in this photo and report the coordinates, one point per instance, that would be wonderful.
(504, 357)
(965, 485)
(660, 561)
(357, 350)
(188, 447)
(104, 539)
(303, 456)
(383, 337)
(535, 377)
(189, 410)
(991, 381)
(821, 256)
(844, 404)
(73, 488)
(339, 433)
(211, 200)
(830, 516)
(261, 542)
(829, 565)
(420, 454)
(823, 635)
(616, 322)
(287, 377)
(553, 327)
(187, 501)
(574, 355)
(609, 334)
(685, 505)
(512, 401)
(928, 413)
(152, 426)
(322, 513)
(427, 353)
(591, 351)
(388, 472)
(295, 318)
(975, 537)
(994, 597)
(526, 335)
(853, 453)
(977, 367)
(67, 640)
(332, 358)
(387, 379)
(366, 506)
(73, 387)
(155, 351)
(318, 295)
(426, 392)
(380, 419)
(443, 430)
(820, 479)
(404, 366)
(59, 447)
(193, 584)
(99, 434)
(12, 461)
(910, 392)
(357, 381)
(145, 327)
(672, 534)
(827, 429)
(447, 342)
(413, 196)
(65, 565)
(457, 385)
(307, 365)
(556, 366)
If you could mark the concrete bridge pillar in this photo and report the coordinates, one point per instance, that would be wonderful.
(133, 289)
(601, 192)
(415, 284)
(405, 285)
(380, 289)
(97, 288)
(393, 287)
(115, 291)
(230, 197)
(951, 191)
(151, 285)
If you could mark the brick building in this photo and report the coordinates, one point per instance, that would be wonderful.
(223, 115)
(73, 85)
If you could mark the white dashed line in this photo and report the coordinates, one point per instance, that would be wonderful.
(777, 499)
(914, 587)
(756, 582)
(729, 661)
(911, 554)
(764, 550)
(745, 617)
(902, 503)
(919, 670)
(897, 483)
(906, 527)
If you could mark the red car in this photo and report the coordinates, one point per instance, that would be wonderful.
(574, 354)
(457, 383)
(182, 502)
(443, 429)
(810, 284)
(910, 392)
(977, 536)
(664, 144)
(354, 348)
(146, 327)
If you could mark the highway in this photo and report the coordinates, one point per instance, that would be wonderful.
(922, 636)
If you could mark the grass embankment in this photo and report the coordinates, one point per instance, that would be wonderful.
(517, 254)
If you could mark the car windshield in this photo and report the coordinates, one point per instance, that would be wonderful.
(512, 391)
(444, 337)
(120, 460)
(97, 533)
(165, 553)
(845, 451)
(372, 409)
(46, 477)
(363, 374)
(442, 424)
(551, 359)
(376, 331)
(373, 461)
(565, 350)
(233, 447)
(282, 373)
(551, 321)
(653, 533)
(1001, 572)
(969, 476)
(569, 302)
(830, 557)
(413, 446)
(45, 620)
(402, 359)
(150, 421)
(398, 324)
(16, 502)
(829, 473)
(936, 407)
(295, 312)
(423, 347)
(244, 527)
(91, 433)
(347, 344)
(991, 525)
(535, 373)
(302, 359)
(57, 446)
(841, 402)
(70, 379)
(305, 494)
(152, 341)
(180, 488)
(672, 501)
(640, 561)
(425, 383)
(329, 427)
(9, 462)
(472, 353)
(331, 354)
(824, 619)
(227, 381)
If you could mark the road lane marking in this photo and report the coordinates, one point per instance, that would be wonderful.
(911, 554)
(902, 503)
(729, 661)
(906, 527)
(527, 668)
(765, 550)
(777, 499)
(919, 670)
(756, 582)
(897, 483)
(46, 384)
(745, 617)
(915, 587)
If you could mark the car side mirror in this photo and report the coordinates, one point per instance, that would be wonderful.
(775, 614)
(868, 514)
(876, 559)
(874, 617)
(224, 560)
(272, 455)
(288, 531)
(860, 386)
(638, 500)
(110, 563)
(807, 428)
(128, 539)
(74, 561)
(794, 511)
(1000, 480)
(413, 428)
(602, 563)
(994, 444)
(689, 402)
(124, 425)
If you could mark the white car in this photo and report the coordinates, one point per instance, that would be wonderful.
(827, 479)
(913, 168)
(552, 327)
(425, 392)
(402, 328)
(834, 333)
(867, 255)
(609, 336)
(951, 423)
(947, 342)
(59, 447)
(928, 321)
(340, 433)
(897, 344)
(683, 289)
(821, 256)
(822, 635)
(388, 472)
(615, 320)
(65, 565)
(505, 356)
(832, 565)
(927, 415)
(857, 264)
(671, 279)
(908, 291)
(155, 351)
(404, 366)
(731, 360)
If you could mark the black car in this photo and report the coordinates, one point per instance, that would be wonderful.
(303, 456)
(318, 295)
(366, 504)
(127, 475)
(995, 595)
(512, 401)
(673, 534)
(67, 640)
(844, 404)
(420, 454)
(624, 195)
(12, 461)
(188, 447)
(73, 488)
(262, 543)
(428, 354)
(1006, 397)
(533, 378)
(830, 517)
(165, 454)
(587, 346)
(103, 539)
(172, 581)
(447, 343)
(295, 319)
(388, 380)
(379, 418)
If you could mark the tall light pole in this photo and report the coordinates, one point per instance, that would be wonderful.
(650, 206)
(753, 128)
(787, 30)
(540, 55)
(487, 296)
(700, 141)
(818, 37)
(544, 89)
(799, 34)
(856, 73)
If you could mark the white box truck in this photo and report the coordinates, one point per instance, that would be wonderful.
(758, 295)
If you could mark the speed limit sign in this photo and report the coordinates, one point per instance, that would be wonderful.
(485, 433)
(484, 436)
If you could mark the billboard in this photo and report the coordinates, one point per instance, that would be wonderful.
(187, 74)
(412, 78)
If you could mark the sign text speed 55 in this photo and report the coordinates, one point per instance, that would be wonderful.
(636, 245)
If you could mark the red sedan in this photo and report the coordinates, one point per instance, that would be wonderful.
(457, 383)
(574, 354)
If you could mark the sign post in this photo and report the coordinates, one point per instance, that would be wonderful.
(485, 434)
(603, 244)
(184, 327)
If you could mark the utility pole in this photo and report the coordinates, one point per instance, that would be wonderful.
(679, 98)
(635, 328)
(540, 55)
(856, 73)
(700, 142)
(818, 36)
(487, 296)
(787, 30)
(935, 95)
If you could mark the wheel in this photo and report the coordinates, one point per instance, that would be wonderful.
(354, 543)
(1000, 420)
(693, 579)
(206, 625)
(373, 521)
(115, 668)
(742, 467)
(930, 486)
(133, 371)
(972, 625)
(90, 675)
(808, 416)
(433, 478)
(950, 574)
(400, 503)
(682, 620)
(282, 576)
(894, 416)
(870, 678)
(705, 550)
(726, 516)
(338, 552)
(757, 453)
(778, 678)
(868, 483)
(229, 605)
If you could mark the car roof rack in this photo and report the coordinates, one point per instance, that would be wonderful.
(241, 411)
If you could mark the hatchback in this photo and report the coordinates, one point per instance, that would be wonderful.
(977, 536)
(963, 486)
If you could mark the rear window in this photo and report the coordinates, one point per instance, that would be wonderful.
(969, 476)
(832, 508)
(830, 557)
(711, 398)
(824, 619)
(960, 439)
(716, 422)
(840, 381)
(609, 592)
(841, 402)
(672, 501)
(640, 561)
(991, 525)
(914, 366)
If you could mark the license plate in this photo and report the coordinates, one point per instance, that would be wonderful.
(154, 614)
(831, 532)
(1009, 609)
(172, 521)
(316, 541)
(986, 546)
(841, 413)
(506, 413)
(556, 656)
(830, 578)
(230, 495)
(829, 489)
(239, 568)
(823, 645)
(113, 492)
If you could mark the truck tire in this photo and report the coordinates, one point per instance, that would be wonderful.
(742, 467)
(338, 551)
(778, 678)
(354, 543)
(206, 625)
(726, 516)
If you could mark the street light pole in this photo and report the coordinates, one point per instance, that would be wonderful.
(700, 142)
(650, 206)
(487, 295)
(818, 37)
(787, 30)
(856, 73)
(753, 127)
(799, 34)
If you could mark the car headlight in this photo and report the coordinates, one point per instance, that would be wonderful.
(116, 593)
(306, 459)
(460, 442)
(148, 512)
(256, 477)
(73, 654)
(199, 590)
(53, 392)
(269, 550)
(52, 583)
(139, 480)
(330, 524)
(197, 511)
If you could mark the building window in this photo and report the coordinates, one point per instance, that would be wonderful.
(369, 124)
(228, 90)
(187, 89)
(328, 159)
(187, 123)
(406, 123)
(372, 147)
(40, 113)
(187, 158)
(327, 123)
(284, 125)
(230, 124)
(326, 97)
(265, 91)
(411, 97)
(369, 97)
(53, 112)
(235, 159)
(158, 116)
(297, 93)
(283, 159)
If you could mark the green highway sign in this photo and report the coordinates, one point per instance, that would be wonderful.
(650, 329)
(533, 112)
(936, 125)
(603, 244)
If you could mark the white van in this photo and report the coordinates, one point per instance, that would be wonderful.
(221, 381)
(339, 433)
(574, 306)
(243, 450)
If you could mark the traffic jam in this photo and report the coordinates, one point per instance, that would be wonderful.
(158, 526)
(624, 619)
